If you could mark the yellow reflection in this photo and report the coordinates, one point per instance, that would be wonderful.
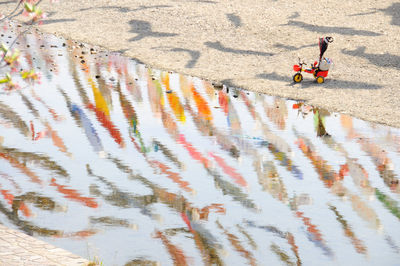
(101, 103)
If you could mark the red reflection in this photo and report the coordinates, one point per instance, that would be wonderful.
(310, 227)
(10, 198)
(229, 170)
(73, 194)
(248, 104)
(108, 124)
(223, 101)
(193, 151)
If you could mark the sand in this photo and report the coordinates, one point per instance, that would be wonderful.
(253, 44)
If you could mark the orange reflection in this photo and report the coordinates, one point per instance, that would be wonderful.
(332, 180)
(173, 100)
(357, 243)
(294, 247)
(325, 171)
(172, 175)
(22, 167)
(176, 106)
(209, 88)
(202, 105)
(379, 156)
(176, 253)
(277, 112)
(234, 240)
(57, 141)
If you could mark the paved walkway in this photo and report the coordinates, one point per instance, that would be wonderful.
(20, 249)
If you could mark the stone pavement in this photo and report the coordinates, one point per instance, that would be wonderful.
(20, 249)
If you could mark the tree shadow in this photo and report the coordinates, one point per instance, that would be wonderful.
(228, 83)
(143, 29)
(294, 15)
(51, 21)
(7, 2)
(393, 10)
(364, 13)
(293, 48)
(218, 46)
(236, 21)
(329, 83)
(327, 29)
(204, 1)
(382, 60)
(195, 55)
(122, 51)
(126, 9)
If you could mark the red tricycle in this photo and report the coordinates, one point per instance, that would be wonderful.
(318, 69)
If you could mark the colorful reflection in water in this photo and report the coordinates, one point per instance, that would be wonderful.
(109, 158)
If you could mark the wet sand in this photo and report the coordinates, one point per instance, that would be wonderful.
(254, 44)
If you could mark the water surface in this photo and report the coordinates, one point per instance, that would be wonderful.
(109, 158)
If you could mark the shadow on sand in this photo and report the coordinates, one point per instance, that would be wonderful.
(126, 9)
(329, 83)
(143, 29)
(195, 55)
(393, 10)
(52, 21)
(204, 1)
(327, 29)
(293, 48)
(235, 19)
(218, 46)
(7, 2)
(382, 60)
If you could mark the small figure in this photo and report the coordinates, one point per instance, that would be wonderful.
(319, 69)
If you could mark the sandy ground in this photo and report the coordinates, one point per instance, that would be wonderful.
(253, 44)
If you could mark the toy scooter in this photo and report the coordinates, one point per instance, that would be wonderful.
(318, 69)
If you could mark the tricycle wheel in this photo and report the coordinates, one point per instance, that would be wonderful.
(297, 77)
(320, 79)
